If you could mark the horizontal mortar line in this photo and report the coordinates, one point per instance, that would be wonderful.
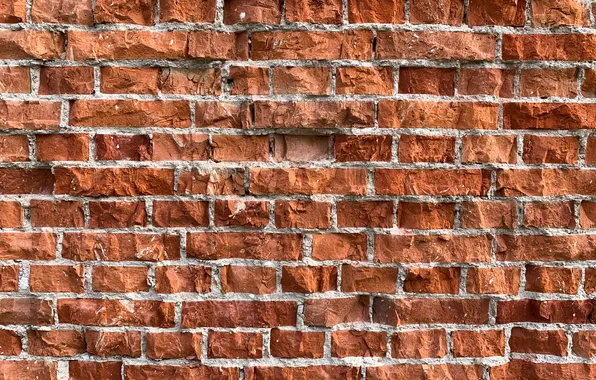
(295, 26)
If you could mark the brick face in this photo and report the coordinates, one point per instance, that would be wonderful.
(297, 189)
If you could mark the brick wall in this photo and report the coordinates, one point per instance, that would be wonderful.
(297, 189)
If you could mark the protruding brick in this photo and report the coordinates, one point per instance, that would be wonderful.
(14, 148)
(551, 149)
(479, 343)
(494, 280)
(482, 81)
(261, 11)
(546, 342)
(27, 246)
(187, 10)
(544, 83)
(431, 182)
(74, 147)
(364, 80)
(62, 12)
(57, 278)
(347, 343)
(302, 214)
(249, 80)
(297, 344)
(376, 11)
(120, 279)
(494, 12)
(584, 344)
(11, 214)
(450, 12)
(308, 181)
(108, 343)
(489, 149)
(362, 148)
(308, 279)
(407, 311)
(240, 148)
(302, 80)
(139, 12)
(425, 216)
(179, 147)
(432, 280)
(365, 214)
(14, 11)
(29, 115)
(9, 278)
(368, 279)
(426, 149)
(426, 80)
(66, 80)
(56, 343)
(549, 215)
(310, 114)
(489, 214)
(180, 214)
(250, 214)
(553, 13)
(172, 345)
(182, 279)
(117, 214)
(235, 345)
(419, 344)
(327, 12)
(220, 181)
(334, 311)
(339, 247)
(57, 213)
(246, 245)
(552, 279)
(245, 279)
(239, 314)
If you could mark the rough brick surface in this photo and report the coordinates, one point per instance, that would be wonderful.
(297, 189)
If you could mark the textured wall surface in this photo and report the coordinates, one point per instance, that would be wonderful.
(297, 189)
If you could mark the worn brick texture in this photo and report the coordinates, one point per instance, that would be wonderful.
(297, 189)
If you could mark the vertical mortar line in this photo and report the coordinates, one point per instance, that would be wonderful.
(520, 148)
(395, 80)
(406, 11)
(219, 13)
(29, 6)
(466, 10)
(156, 18)
(345, 15)
(581, 76)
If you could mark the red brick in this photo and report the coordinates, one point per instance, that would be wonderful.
(12, 12)
(180, 147)
(261, 11)
(117, 214)
(249, 214)
(14, 148)
(249, 80)
(552, 13)
(187, 11)
(588, 87)
(10, 343)
(29, 368)
(302, 214)
(591, 151)
(172, 345)
(352, 44)
(587, 214)
(362, 148)
(297, 344)
(321, 12)
(11, 214)
(544, 248)
(432, 280)
(129, 80)
(182, 279)
(544, 182)
(212, 181)
(101, 312)
(548, 82)
(493, 280)
(207, 44)
(431, 182)
(347, 343)
(482, 81)
(75, 147)
(364, 80)
(56, 343)
(480, 343)
(235, 345)
(115, 45)
(180, 214)
(246, 245)
(309, 114)
(376, 11)
(308, 279)
(245, 279)
(551, 149)
(404, 44)
(397, 312)
(123, 147)
(106, 343)
(57, 213)
(9, 278)
(120, 279)
(584, 343)
(140, 372)
(27, 246)
(426, 80)
(66, 80)
(330, 312)
(57, 278)
(489, 214)
(547, 342)
(494, 12)
(432, 248)
(425, 216)
(81, 370)
(96, 182)
(130, 113)
(450, 12)
(548, 116)
(125, 11)
(552, 279)
(551, 47)
(331, 372)
(238, 314)
(14, 79)
(426, 114)
(31, 44)
(26, 311)
(549, 215)
(223, 115)
(350, 181)
(29, 115)
(365, 214)
(419, 344)
(240, 148)
(545, 311)
(189, 81)
(368, 279)
(302, 80)
(339, 247)
(489, 149)
(82, 246)
(426, 149)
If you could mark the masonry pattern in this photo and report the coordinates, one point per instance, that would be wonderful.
(297, 189)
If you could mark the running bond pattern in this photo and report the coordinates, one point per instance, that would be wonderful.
(297, 189)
